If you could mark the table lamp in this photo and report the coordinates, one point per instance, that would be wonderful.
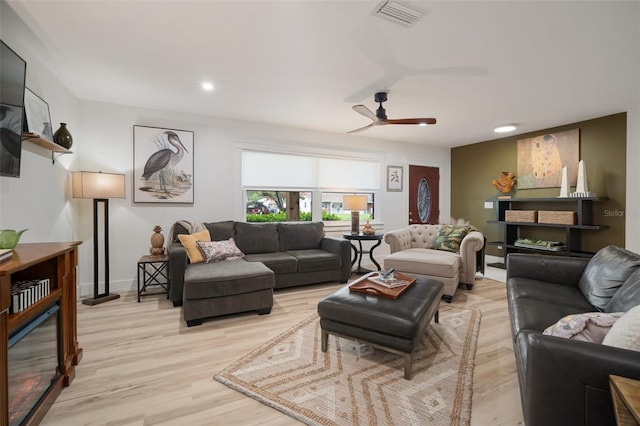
(355, 203)
(100, 187)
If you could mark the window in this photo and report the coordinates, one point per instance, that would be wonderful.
(271, 206)
(332, 205)
(272, 178)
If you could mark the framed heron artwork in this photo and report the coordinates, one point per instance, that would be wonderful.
(162, 165)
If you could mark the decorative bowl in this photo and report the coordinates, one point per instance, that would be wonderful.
(9, 238)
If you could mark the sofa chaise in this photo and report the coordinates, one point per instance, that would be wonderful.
(441, 252)
(272, 256)
(553, 301)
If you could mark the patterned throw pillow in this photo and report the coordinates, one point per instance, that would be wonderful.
(587, 327)
(450, 237)
(215, 251)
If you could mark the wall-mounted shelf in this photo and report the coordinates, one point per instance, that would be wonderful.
(511, 230)
(46, 144)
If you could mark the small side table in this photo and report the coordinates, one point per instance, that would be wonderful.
(625, 394)
(358, 252)
(153, 271)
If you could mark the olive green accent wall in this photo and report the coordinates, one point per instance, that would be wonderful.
(603, 143)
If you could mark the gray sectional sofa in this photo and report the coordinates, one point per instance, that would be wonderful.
(276, 255)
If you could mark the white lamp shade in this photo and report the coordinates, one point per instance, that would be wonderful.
(354, 202)
(97, 185)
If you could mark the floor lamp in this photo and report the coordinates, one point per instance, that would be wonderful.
(99, 187)
(355, 203)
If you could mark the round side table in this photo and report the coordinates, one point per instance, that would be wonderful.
(358, 251)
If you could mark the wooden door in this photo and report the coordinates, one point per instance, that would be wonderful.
(424, 194)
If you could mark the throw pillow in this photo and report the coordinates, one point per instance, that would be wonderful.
(449, 238)
(215, 251)
(257, 238)
(625, 333)
(587, 327)
(627, 296)
(606, 271)
(189, 243)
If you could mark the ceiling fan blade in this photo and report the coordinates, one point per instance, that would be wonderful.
(375, 123)
(365, 111)
(411, 121)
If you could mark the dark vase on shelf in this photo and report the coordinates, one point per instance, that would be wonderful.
(62, 136)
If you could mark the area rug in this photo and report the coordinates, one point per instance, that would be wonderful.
(355, 384)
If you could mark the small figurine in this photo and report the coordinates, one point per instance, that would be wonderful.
(367, 229)
(505, 183)
(157, 241)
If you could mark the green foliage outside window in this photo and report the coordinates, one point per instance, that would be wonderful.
(281, 217)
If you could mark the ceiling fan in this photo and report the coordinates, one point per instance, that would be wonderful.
(380, 116)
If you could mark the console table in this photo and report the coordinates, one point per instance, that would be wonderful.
(358, 252)
(56, 262)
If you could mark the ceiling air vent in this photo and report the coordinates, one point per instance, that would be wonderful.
(398, 13)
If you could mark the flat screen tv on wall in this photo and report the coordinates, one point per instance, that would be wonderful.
(12, 75)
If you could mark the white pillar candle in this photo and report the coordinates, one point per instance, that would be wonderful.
(564, 190)
(582, 186)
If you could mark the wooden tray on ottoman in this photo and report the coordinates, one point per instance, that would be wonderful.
(365, 285)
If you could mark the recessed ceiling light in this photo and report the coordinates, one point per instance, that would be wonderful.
(207, 86)
(505, 129)
(422, 124)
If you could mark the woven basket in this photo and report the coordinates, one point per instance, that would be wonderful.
(528, 216)
(557, 217)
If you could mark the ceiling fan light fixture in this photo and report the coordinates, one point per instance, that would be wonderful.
(379, 118)
(506, 128)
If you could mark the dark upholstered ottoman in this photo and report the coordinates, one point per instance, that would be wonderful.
(395, 325)
(237, 286)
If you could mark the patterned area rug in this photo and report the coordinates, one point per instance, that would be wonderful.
(355, 384)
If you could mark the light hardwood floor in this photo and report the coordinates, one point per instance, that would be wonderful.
(143, 366)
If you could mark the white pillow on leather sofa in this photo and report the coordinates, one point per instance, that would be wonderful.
(625, 333)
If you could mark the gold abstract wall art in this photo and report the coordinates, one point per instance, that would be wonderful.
(541, 158)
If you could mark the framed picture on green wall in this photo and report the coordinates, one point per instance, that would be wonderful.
(541, 159)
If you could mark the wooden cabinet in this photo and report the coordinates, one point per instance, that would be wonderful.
(570, 235)
(58, 263)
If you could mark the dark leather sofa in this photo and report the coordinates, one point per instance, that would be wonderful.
(564, 381)
(276, 255)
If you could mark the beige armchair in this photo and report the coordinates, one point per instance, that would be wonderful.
(412, 252)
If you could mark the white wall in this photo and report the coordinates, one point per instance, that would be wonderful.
(107, 145)
(103, 140)
(38, 199)
(632, 218)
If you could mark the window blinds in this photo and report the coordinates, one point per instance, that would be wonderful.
(291, 171)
